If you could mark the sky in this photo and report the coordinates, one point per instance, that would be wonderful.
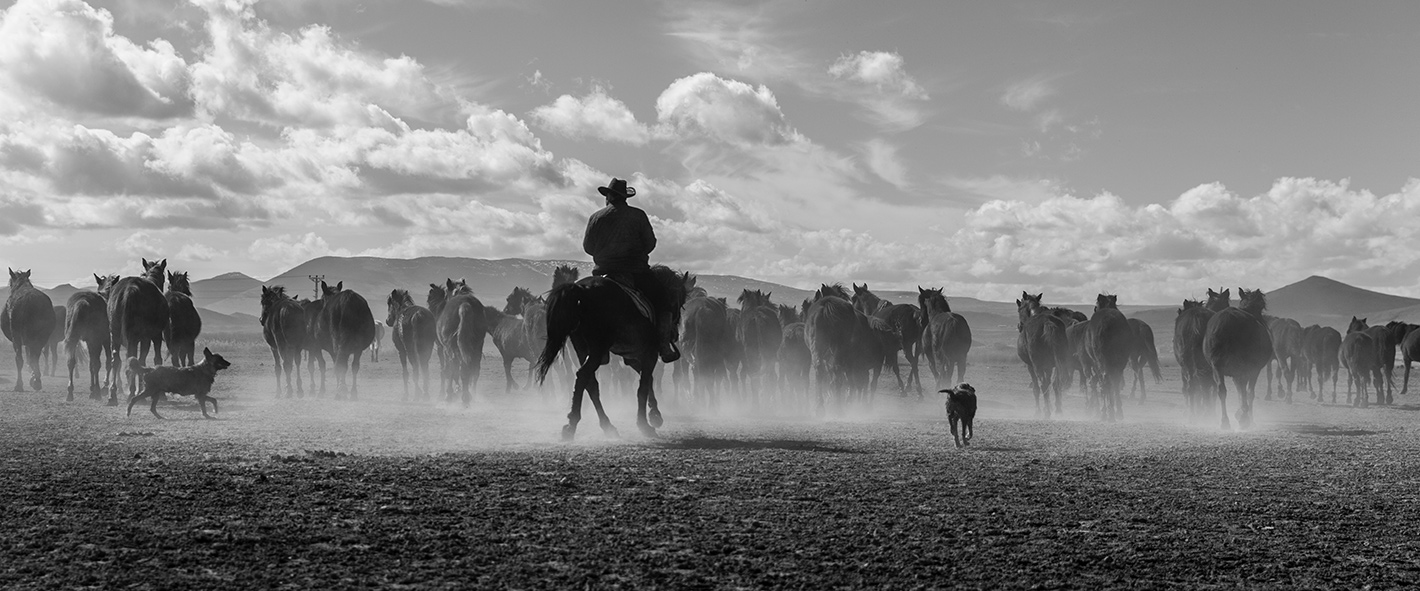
(1145, 149)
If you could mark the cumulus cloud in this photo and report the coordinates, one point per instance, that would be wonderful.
(310, 79)
(705, 105)
(596, 116)
(1300, 227)
(882, 70)
(65, 52)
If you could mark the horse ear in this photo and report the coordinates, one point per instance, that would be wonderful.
(1040, 296)
(163, 264)
(100, 281)
(340, 286)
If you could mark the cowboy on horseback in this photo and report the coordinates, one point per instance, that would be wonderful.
(620, 239)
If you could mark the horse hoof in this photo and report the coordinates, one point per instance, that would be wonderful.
(654, 418)
(650, 432)
(568, 432)
(113, 402)
(611, 432)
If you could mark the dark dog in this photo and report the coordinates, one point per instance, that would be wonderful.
(961, 407)
(190, 381)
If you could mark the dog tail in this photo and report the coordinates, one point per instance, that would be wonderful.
(136, 366)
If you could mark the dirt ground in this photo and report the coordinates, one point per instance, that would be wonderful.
(376, 493)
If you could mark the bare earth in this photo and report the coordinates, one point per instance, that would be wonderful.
(382, 494)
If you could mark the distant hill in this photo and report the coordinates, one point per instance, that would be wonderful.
(211, 293)
(1319, 296)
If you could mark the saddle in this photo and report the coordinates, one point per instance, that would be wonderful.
(636, 298)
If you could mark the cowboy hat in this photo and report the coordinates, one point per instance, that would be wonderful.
(618, 188)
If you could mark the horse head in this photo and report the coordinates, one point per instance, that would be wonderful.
(1106, 301)
(788, 314)
(1357, 324)
(437, 297)
(453, 288)
(1027, 306)
(399, 300)
(1219, 301)
(20, 279)
(178, 282)
(565, 274)
(931, 301)
(517, 300)
(326, 290)
(153, 271)
(269, 297)
(865, 301)
(1253, 302)
(105, 284)
(836, 290)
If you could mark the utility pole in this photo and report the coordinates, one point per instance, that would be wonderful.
(316, 279)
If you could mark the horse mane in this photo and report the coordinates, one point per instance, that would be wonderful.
(1219, 300)
(1064, 313)
(453, 288)
(1252, 301)
(565, 274)
(400, 297)
(154, 272)
(178, 282)
(1107, 301)
(1187, 304)
(932, 298)
(674, 284)
(836, 290)
(19, 279)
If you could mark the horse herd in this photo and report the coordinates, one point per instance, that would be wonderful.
(134, 312)
(752, 352)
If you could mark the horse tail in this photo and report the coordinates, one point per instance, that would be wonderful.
(564, 305)
(1151, 355)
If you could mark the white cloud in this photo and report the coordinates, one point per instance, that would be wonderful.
(65, 52)
(880, 69)
(254, 73)
(288, 250)
(595, 116)
(141, 244)
(196, 251)
(705, 105)
(879, 83)
(1027, 94)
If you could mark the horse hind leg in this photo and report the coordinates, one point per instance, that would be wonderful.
(355, 376)
(19, 364)
(643, 393)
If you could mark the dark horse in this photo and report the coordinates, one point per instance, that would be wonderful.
(86, 319)
(283, 324)
(56, 336)
(1189, 327)
(1360, 354)
(601, 318)
(705, 341)
(1109, 344)
(413, 328)
(833, 329)
(1409, 338)
(1237, 344)
(1145, 353)
(1287, 355)
(347, 328)
(760, 335)
(137, 317)
(184, 323)
(946, 337)
(1040, 343)
(1322, 346)
(513, 335)
(907, 320)
(27, 320)
(461, 325)
(315, 354)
